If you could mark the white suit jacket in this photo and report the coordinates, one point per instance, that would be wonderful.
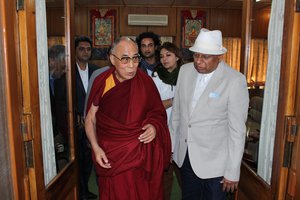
(214, 132)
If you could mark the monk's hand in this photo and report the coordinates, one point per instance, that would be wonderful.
(229, 186)
(101, 158)
(149, 133)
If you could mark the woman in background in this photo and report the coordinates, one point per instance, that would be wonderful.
(165, 78)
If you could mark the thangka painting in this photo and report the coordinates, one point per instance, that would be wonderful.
(191, 23)
(103, 27)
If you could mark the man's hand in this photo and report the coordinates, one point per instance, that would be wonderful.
(59, 148)
(229, 186)
(149, 133)
(101, 158)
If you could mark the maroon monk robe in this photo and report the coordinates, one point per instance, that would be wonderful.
(137, 168)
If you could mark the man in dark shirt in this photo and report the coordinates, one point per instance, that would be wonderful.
(59, 112)
(83, 71)
(148, 43)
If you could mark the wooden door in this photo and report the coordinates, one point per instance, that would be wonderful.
(22, 91)
(13, 174)
(293, 129)
(284, 180)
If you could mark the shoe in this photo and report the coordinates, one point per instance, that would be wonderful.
(83, 198)
(91, 195)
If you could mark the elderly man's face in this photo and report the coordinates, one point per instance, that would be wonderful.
(57, 67)
(205, 64)
(125, 51)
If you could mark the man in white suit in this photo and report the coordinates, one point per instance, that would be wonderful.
(208, 121)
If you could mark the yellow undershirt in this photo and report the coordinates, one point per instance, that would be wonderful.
(109, 83)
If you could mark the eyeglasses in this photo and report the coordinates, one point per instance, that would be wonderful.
(203, 56)
(126, 59)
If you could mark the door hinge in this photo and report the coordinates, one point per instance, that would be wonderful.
(20, 5)
(26, 127)
(290, 128)
(28, 145)
(26, 130)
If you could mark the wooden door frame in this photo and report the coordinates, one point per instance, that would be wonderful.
(287, 97)
(10, 59)
(57, 188)
(30, 94)
(251, 185)
(21, 101)
(64, 185)
(291, 59)
(294, 171)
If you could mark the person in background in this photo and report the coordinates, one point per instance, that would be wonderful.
(148, 44)
(57, 64)
(83, 71)
(59, 112)
(95, 74)
(208, 121)
(128, 133)
(165, 78)
(57, 69)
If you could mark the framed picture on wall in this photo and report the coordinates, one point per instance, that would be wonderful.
(191, 23)
(103, 30)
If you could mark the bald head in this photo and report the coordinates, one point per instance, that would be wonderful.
(125, 58)
(121, 41)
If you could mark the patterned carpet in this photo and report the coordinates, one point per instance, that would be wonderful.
(175, 195)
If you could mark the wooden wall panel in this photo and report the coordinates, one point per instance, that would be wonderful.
(81, 21)
(177, 37)
(123, 21)
(229, 21)
(260, 23)
(55, 22)
(169, 30)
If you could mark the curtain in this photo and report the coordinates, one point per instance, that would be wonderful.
(233, 55)
(258, 58)
(44, 94)
(269, 114)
